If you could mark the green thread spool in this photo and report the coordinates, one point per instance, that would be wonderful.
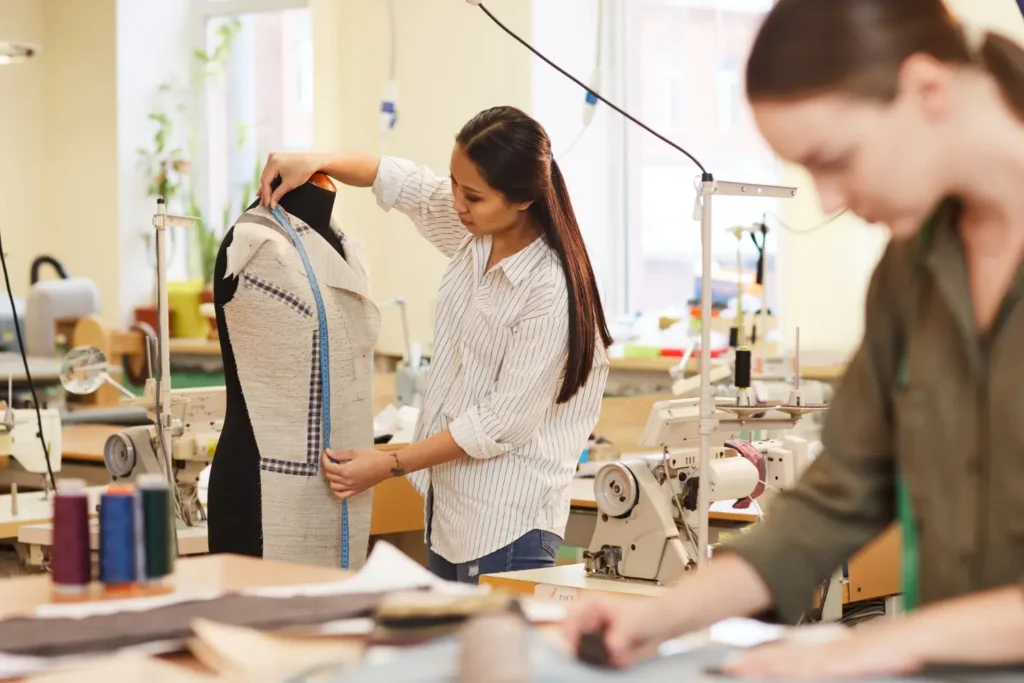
(158, 527)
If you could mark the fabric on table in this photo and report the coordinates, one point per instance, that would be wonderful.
(49, 637)
(437, 662)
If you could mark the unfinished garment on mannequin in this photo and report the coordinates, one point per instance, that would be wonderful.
(267, 495)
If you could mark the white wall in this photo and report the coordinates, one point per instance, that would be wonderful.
(452, 62)
(823, 277)
(566, 32)
(21, 142)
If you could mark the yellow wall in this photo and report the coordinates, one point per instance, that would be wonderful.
(58, 183)
(823, 276)
(451, 63)
(21, 140)
(80, 152)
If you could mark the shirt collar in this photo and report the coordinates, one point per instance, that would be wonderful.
(520, 264)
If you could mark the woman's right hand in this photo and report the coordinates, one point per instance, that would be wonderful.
(294, 169)
(626, 624)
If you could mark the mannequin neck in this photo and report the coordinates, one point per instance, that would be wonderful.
(310, 204)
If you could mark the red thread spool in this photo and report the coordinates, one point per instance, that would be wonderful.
(72, 559)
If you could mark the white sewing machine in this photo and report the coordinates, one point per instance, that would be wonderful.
(648, 508)
(19, 439)
(198, 417)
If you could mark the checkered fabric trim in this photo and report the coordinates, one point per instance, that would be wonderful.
(272, 290)
(299, 469)
(313, 424)
(316, 397)
(301, 229)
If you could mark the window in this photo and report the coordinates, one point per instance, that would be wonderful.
(256, 93)
(686, 57)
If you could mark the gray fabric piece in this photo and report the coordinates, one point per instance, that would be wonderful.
(272, 321)
(49, 637)
(437, 662)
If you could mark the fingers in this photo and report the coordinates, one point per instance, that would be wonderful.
(270, 171)
(283, 188)
(586, 617)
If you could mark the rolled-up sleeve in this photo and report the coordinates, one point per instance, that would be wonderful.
(847, 496)
(524, 391)
(424, 197)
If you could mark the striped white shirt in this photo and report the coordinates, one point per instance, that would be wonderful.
(500, 346)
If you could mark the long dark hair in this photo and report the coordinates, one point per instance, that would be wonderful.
(513, 153)
(856, 47)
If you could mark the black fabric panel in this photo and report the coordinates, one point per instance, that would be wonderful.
(233, 503)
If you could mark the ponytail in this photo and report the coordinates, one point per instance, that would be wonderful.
(513, 153)
(1004, 59)
(586, 315)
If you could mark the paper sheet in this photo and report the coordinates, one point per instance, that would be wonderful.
(125, 668)
(80, 610)
(386, 570)
(17, 666)
(243, 654)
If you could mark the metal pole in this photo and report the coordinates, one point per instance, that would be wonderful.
(163, 385)
(707, 405)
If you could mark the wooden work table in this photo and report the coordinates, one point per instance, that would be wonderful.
(193, 576)
(873, 574)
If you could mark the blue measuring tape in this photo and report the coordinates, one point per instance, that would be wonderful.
(325, 363)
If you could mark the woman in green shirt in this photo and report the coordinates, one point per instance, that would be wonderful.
(907, 118)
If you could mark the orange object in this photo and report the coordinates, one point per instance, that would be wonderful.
(323, 181)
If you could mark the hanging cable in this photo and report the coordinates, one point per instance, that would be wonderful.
(586, 88)
(806, 231)
(590, 99)
(388, 103)
(28, 373)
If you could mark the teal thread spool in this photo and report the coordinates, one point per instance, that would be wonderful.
(157, 526)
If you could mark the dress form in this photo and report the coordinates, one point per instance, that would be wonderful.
(266, 466)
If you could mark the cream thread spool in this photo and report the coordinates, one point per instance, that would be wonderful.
(495, 650)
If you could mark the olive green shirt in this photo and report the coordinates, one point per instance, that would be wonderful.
(953, 428)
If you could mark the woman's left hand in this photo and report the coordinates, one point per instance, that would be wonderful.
(872, 651)
(355, 470)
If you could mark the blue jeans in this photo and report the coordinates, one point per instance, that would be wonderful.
(532, 550)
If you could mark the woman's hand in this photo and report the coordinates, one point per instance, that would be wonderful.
(355, 471)
(870, 651)
(625, 622)
(293, 169)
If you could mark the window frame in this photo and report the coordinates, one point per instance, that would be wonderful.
(202, 11)
(626, 172)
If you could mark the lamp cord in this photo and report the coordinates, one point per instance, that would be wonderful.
(596, 94)
(28, 373)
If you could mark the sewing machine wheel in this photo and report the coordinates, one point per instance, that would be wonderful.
(119, 455)
(615, 490)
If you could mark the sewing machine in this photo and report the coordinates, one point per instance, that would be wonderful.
(196, 420)
(198, 417)
(648, 506)
(19, 439)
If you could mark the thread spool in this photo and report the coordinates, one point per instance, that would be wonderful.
(157, 528)
(495, 649)
(742, 371)
(72, 559)
(118, 538)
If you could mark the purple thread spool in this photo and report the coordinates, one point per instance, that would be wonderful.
(72, 559)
